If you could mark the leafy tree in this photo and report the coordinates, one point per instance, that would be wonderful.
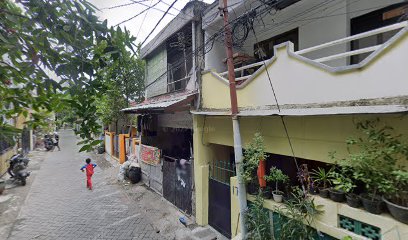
(39, 39)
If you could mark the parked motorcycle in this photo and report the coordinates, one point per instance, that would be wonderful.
(18, 168)
(48, 143)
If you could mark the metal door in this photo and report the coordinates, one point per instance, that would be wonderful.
(25, 140)
(219, 209)
(177, 182)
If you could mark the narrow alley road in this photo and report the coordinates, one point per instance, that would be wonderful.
(59, 206)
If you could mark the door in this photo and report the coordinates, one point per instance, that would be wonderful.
(177, 182)
(219, 208)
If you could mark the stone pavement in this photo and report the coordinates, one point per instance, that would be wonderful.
(59, 206)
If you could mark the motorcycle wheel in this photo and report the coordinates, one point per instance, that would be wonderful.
(23, 182)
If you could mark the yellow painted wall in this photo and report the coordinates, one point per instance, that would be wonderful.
(328, 221)
(297, 81)
(201, 170)
(3, 160)
(313, 137)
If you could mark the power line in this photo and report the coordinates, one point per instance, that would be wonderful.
(124, 5)
(216, 35)
(168, 9)
(147, 9)
(144, 18)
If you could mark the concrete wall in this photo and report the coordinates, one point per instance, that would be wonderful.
(3, 160)
(312, 138)
(306, 83)
(328, 221)
(318, 22)
(156, 76)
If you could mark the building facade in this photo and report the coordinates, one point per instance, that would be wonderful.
(314, 68)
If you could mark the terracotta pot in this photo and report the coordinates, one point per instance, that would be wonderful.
(261, 173)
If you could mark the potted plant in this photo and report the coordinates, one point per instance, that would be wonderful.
(373, 158)
(337, 192)
(342, 190)
(322, 179)
(254, 153)
(305, 178)
(397, 198)
(276, 175)
(266, 192)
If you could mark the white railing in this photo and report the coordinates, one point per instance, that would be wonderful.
(352, 38)
(254, 66)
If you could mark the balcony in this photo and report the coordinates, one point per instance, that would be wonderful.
(311, 86)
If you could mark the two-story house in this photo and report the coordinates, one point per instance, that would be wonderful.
(164, 121)
(313, 68)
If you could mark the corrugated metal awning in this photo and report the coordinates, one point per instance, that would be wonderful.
(311, 111)
(160, 106)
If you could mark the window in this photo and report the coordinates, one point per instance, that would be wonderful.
(265, 48)
(373, 20)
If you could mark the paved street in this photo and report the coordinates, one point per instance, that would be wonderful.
(59, 206)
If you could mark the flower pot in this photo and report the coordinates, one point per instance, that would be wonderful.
(277, 196)
(337, 195)
(261, 173)
(266, 193)
(353, 200)
(252, 188)
(371, 205)
(2, 186)
(324, 192)
(313, 191)
(400, 213)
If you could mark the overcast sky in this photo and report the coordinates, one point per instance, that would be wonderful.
(117, 15)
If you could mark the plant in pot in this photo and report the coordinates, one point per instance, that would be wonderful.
(322, 179)
(373, 158)
(254, 153)
(342, 189)
(397, 197)
(276, 175)
(296, 216)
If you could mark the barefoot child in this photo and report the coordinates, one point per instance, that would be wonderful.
(89, 167)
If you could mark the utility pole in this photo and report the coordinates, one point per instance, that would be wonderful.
(235, 121)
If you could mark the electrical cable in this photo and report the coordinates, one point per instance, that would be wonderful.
(168, 9)
(140, 13)
(144, 18)
(124, 5)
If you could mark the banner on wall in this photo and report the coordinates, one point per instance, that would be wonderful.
(150, 155)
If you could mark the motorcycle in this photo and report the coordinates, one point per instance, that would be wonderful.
(18, 168)
(48, 143)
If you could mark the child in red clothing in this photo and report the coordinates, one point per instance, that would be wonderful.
(89, 167)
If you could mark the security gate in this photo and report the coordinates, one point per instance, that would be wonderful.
(177, 183)
(219, 209)
(25, 140)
